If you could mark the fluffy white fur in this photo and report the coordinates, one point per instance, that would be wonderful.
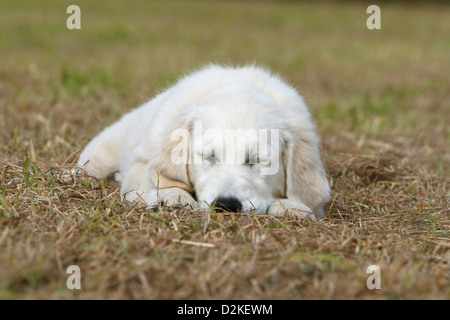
(140, 146)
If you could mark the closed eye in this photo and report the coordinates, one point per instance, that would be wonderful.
(251, 162)
(209, 160)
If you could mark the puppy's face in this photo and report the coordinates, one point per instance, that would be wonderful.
(237, 170)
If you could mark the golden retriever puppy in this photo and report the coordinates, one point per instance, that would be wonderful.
(238, 139)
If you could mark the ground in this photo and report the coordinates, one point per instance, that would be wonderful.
(380, 99)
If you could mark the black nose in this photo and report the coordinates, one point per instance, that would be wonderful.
(228, 204)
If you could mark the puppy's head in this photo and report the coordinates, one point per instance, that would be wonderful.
(231, 160)
(235, 169)
(241, 155)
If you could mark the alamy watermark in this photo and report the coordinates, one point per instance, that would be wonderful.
(74, 20)
(374, 280)
(231, 146)
(74, 280)
(374, 20)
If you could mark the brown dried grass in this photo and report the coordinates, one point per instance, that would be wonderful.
(380, 213)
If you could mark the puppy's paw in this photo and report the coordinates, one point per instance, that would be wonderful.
(292, 208)
(175, 197)
(135, 195)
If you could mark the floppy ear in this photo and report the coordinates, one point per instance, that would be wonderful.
(305, 175)
(169, 165)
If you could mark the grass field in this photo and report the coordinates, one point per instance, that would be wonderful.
(381, 99)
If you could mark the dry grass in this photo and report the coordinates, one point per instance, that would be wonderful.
(130, 252)
(385, 147)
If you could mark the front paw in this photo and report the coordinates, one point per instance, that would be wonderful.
(176, 197)
(292, 208)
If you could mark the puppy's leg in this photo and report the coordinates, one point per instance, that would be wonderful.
(171, 197)
(140, 183)
(294, 209)
(176, 197)
(320, 213)
(136, 184)
(102, 155)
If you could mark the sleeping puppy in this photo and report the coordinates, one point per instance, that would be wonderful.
(238, 139)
